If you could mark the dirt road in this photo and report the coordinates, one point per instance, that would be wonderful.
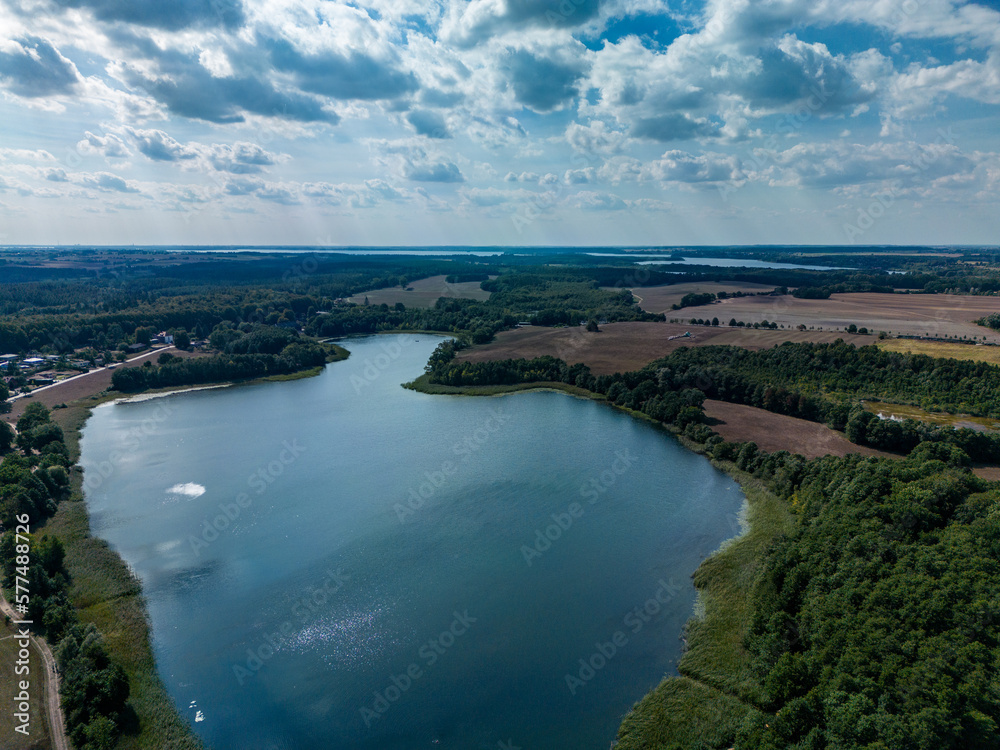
(53, 709)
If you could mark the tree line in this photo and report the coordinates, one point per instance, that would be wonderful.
(34, 478)
(874, 623)
(257, 351)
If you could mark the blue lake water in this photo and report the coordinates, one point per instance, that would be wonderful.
(338, 562)
(652, 259)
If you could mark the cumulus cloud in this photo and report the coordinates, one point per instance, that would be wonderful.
(840, 164)
(24, 154)
(108, 182)
(31, 67)
(595, 201)
(178, 80)
(243, 186)
(428, 123)
(197, 94)
(919, 90)
(594, 137)
(475, 22)
(673, 127)
(522, 177)
(576, 94)
(369, 194)
(276, 193)
(158, 146)
(444, 171)
(681, 166)
(542, 83)
(172, 16)
(496, 198)
(341, 76)
(414, 162)
(579, 176)
(239, 158)
(110, 146)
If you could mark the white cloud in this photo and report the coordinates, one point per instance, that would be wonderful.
(110, 146)
(427, 105)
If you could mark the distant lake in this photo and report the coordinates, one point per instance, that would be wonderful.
(664, 260)
(338, 562)
(640, 258)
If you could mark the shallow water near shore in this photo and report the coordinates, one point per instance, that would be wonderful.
(339, 562)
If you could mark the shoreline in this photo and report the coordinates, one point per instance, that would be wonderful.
(709, 698)
(111, 596)
(105, 591)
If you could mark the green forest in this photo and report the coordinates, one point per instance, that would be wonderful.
(866, 616)
(874, 622)
(33, 480)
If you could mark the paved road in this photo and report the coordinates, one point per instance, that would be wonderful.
(91, 373)
(82, 386)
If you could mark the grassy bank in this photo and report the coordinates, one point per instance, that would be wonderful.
(106, 593)
(701, 709)
(716, 690)
(704, 707)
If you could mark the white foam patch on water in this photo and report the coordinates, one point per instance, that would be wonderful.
(165, 547)
(188, 489)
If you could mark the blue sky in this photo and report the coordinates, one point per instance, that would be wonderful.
(499, 122)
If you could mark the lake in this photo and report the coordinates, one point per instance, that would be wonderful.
(339, 562)
(665, 260)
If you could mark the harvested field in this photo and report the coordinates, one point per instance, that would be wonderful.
(988, 354)
(93, 382)
(756, 339)
(422, 293)
(775, 432)
(658, 299)
(906, 314)
(619, 347)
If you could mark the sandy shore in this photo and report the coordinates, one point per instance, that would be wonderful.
(81, 386)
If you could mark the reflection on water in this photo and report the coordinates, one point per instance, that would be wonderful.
(301, 598)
